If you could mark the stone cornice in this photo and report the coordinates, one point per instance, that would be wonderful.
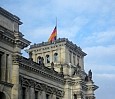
(32, 66)
(90, 96)
(75, 48)
(60, 40)
(25, 82)
(6, 84)
(20, 41)
(48, 43)
(7, 36)
(13, 38)
(10, 16)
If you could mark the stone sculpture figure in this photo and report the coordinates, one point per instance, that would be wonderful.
(90, 75)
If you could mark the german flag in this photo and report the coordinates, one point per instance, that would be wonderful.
(53, 36)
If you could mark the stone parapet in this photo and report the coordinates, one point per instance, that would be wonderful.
(68, 43)
(32, 66)
(10, 16)
(29, 83)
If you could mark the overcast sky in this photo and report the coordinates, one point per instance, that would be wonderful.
(88, 23)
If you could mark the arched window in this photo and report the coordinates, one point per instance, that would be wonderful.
(0, 65)
(75, 96)
(55, 57)
(47, 96)
(74, 60)
(39, 60)
(23, 93)
(70, 57)
(47, 59)
(36, 94)
(2, 95)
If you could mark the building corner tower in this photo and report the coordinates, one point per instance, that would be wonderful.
(68, 59)
(11, 43)
(54, 70)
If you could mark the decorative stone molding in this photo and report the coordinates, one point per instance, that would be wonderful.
(6, 84)
(20, 41)
(68, 43)
(35, 67)
(10, 16)
(91, 86)
(90, 97)
(40, 86)
(16, 59)
(12, 38)
(6, 36)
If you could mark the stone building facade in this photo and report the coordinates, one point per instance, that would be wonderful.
(54, 70)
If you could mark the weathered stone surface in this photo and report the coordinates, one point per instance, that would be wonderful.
(54, 69)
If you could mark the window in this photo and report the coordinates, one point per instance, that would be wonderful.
(74, 60)
(6, 75)
(47, 96)
(47, 59)
(57, 98)
(36, 94)
(0, 60)
(55, 57)
(75, 96)
(2, 95)
(1, 56)
(78, 57)
(70, 57)
(23, 93)
(0, 65)
(39, 60)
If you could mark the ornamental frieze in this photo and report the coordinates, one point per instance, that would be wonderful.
(32, 66)
(40, 86)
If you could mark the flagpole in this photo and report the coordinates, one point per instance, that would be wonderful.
(56, 26)
(56, 21)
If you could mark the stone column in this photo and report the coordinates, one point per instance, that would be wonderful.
(33, 56)
(15, 77)
(28, 93)
(3, 67)
(82, 63)
(72, 57)
(32, 93)
(51, 56)
(66, 58)
(43, 95)
(9, 67)
(53, 96)
(20, 91)
(60, 55)
(67, 90)
(75, 60)
(43, 55)
(40, 95)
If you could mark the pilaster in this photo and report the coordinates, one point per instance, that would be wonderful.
(9, 68)
(53, 96)
(68, 89)
(40, 95)
(3, 67)
(28, 93)
(32, 93)
(43, 95)
(15, 77)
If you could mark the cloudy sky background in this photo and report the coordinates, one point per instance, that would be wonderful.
(88, 23)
